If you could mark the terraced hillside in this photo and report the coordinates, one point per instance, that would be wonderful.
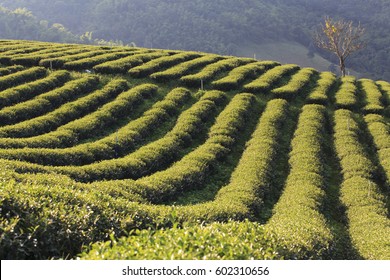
(115, 152)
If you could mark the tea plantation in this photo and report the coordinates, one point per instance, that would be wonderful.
(133, 153)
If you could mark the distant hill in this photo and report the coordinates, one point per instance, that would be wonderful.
(182, 149)
(223, 26)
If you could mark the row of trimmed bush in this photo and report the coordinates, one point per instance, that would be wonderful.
(21, 77)
(240, 73)
(33, 59)
(10, 69)
(367, 213)
(297, 217)
(122, 141)
(251, 180)
(295, 85)
(380, 131)
(191, 170)
(320, 94)
(90, 62)
(271, 77)
(211, 70)
(122, 65)
(5, 57)
(29, 90)
(51, 128)
(153, 156)
(372, 95)
(184, 68)
(346, 95)
(161, 63)
(385, 89)
(58, 62)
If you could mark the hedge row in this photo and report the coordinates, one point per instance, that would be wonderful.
(373, 97)
(211, 70)
(58, 123)
(217, 241)
(320, 94)
(251, 180)
(46, 101)
(160, 63)
(5, 57)
(297, 82)
(151, 157)
(29, 90)
(90, 62)
(380, 131)
(184, 68)
(120, 142)
(58, 62)
(297, 217)
(369, 225)
(240, 73)
(271, 77)
(346, 96)
(123, 65)
(22, 77)
(10, 69)
(385, 89)
(34, 58)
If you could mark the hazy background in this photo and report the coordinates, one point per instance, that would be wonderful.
(279, 29)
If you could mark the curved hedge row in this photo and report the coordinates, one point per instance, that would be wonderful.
(297, 217)
(271, 77)
(320, 94)
(298, 81)
(150, 157)
(184, 68)
(117, 143)
(380, 132)
(58, 62)
(346, 95)
(211, 70)
(372, 95)
(160, 63)
(21, 77)
(29, 90)
(122, 65)
(50, 121)
(10, 69)
(369, 224)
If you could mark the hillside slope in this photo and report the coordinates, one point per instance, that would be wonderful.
(98, 142)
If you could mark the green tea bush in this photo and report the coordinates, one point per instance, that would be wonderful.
(58, 62)
(372, 95)
(346, 95)
(320, 94)
(29, 90)
(297, 217)
(296, 83)
(122, 65)
(22, 77)
(211, 70)
(184, 68)
(229, 241)
(240, 73)
(120, 142)
(90, 62)
(159, 64)
(369, 225)
(270, 78)
(10, 69)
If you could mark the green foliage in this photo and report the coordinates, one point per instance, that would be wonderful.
(270, 78)
(373, 96)
(216, 241)
(369, 225)
(320, 94)
(346, 95)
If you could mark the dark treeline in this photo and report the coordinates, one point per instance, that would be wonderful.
(220, 26)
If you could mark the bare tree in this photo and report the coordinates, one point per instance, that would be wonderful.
(341, 38)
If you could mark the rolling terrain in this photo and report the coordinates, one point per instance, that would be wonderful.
(120, 152)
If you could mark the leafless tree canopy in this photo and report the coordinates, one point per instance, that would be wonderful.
(341, 38)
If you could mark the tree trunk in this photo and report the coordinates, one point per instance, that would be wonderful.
(342, 66)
